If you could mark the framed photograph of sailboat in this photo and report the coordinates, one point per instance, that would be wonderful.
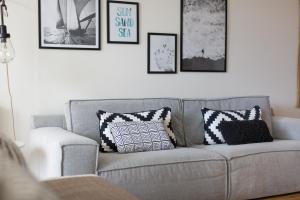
(69, 24)
(122, 22)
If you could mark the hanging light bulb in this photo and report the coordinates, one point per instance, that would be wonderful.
(7, 52)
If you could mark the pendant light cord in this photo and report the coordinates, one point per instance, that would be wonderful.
(11, 102)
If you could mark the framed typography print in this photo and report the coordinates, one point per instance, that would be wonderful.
(122, 22)
(69, 24)
(203, 35)
(162, 53)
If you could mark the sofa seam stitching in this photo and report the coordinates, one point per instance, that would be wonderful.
(71, 118)
(124, 99)
(229, 180)
(259, 153)
(66, 145)
(220, 99)
(182, 122)
(136, 167)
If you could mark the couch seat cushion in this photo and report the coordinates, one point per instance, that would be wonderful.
(259, 170)
(182, 173)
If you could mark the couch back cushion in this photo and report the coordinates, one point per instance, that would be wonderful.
(193, 119)
(81, 115)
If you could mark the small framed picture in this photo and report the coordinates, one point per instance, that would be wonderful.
(66, 24)
(122, 22)
(162, 53)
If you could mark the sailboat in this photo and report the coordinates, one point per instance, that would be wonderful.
(69, 12)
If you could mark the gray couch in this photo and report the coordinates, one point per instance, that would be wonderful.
(68, 145)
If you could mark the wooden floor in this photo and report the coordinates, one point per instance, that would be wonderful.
(295, 196)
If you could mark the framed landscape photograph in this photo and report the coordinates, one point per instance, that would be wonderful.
(122, 22)
(162, 53)
(203, 35)
(69, 24)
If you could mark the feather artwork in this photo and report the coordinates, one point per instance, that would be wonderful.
(163, 53)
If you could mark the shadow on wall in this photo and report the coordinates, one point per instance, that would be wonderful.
(286, 111)
(21, 3)
(5, 122)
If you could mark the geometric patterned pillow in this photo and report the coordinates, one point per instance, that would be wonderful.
(107, 142)
(133, 137)
(213, 118)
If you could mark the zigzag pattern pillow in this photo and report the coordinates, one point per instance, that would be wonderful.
(107, 142)
(213, 118)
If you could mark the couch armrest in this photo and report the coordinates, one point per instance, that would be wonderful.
(55, 152)
(286, 128)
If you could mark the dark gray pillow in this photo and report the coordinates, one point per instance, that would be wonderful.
(245, 132)
(140, 136)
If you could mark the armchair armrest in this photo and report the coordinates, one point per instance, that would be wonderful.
(286, 128)
(55, 152)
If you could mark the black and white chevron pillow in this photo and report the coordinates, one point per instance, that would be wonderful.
(107, 142)
(213, 118)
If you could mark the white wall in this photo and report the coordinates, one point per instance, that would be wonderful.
(262, 60)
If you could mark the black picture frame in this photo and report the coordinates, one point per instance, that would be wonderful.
(149, 67)
(183, 68)
(109, 31)
(97, 24)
